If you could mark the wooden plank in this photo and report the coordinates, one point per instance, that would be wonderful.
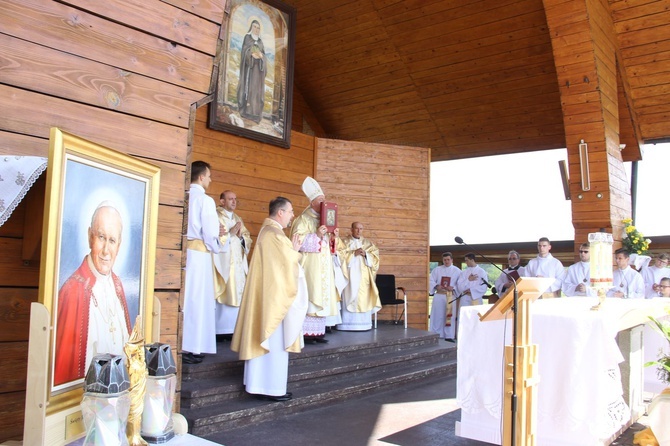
(157, 18)
(73, 31)
(16, 272)
(168, 269)
(169, 315)
(211, 10)
(170, 222)
(42, 69)
(14, 366)
(15, 312)
(131, 135)
(11, 415)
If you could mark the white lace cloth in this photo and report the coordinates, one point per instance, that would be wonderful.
(579, 399)
(17, 175)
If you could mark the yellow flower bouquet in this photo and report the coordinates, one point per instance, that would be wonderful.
(633, 240)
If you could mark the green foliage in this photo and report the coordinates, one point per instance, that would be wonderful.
(663, 363)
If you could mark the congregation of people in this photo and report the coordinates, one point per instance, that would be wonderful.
(452, 287)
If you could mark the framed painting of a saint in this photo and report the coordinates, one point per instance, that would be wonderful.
(254, 87)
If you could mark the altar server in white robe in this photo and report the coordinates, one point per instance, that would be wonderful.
(577, 280)
(232, 264)
(503, 282)
(360, 298)
(545, 265)
(203, 242)
(652, 275)
(472, 282)
(443, 284)
(273, 307)
(628, 283)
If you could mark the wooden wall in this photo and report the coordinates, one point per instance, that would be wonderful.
(256, 172)
(121, 73)
(386, 188)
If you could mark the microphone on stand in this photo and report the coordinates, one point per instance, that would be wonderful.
(514, 333)
(488, 285)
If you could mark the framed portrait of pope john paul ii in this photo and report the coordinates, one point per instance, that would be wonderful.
(254, 89)
(98, 256)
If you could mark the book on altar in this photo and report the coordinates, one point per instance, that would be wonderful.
(445, 281)
(329, 215)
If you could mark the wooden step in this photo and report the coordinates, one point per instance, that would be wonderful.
(351, 364)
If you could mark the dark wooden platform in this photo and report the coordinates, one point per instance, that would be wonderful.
(351, 364)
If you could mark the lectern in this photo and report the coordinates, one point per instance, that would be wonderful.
(526, 379)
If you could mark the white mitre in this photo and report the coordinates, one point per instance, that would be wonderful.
(311, 188)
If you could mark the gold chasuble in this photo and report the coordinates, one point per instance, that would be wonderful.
(271, 289)
(366, 297)
(233, 262)
(318, 265)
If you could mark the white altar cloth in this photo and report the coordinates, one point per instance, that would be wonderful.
(579, 392)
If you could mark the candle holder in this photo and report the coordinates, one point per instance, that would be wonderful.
(106, 401)
(157, 427)
(600, 265)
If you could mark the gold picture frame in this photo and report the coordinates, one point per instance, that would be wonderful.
(100, 206)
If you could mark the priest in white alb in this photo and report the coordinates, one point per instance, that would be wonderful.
(360, 262)
(273, 308)
(577, 279)
(546, 265)
(472, 283)
(232, 264)
(628, 283)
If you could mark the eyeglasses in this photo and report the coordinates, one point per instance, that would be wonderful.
(664, 286)
(583, 252)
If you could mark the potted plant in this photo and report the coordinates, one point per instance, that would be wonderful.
(658, 430)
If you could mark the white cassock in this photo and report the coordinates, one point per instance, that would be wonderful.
(549, 267)
(439, 310)
(233, 268)
(257, 380)
(578, 273)
(629, 282)
(652, 275)
(472, 278)
(503, 279)
(355, 321)
(199, 335)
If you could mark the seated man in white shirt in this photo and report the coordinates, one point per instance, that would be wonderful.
(577, 278)
(628, 283)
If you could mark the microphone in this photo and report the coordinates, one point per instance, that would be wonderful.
(514, 336)
(484, 282)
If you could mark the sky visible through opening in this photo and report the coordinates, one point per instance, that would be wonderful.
(520, 198)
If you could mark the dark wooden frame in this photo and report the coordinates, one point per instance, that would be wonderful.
(224, 111)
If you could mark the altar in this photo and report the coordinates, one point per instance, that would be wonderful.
(581, 399)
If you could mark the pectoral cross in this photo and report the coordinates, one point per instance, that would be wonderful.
(112, 329)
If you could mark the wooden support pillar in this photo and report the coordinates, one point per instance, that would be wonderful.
(585, 54)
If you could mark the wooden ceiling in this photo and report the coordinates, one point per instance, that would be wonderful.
(465, 77)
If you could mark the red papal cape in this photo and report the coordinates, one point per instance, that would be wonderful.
(74, 301)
